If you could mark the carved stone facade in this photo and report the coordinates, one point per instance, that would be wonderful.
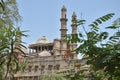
(45, 57)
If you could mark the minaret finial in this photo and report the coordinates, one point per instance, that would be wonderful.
(63, 8)
(74, 25)
(74, 15)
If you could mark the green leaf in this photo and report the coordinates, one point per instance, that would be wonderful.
(79, 22)
(92, 25)
(96, 24)
(99, 21)
(114, 38)
(118, 34)
(112, 27)
(2, 5)
(103, 35)
(80, 34)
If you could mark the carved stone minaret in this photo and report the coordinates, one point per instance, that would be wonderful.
(74, 31)
(63, 23)
(63, 42)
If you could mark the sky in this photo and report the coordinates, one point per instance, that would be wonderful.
(42, 17)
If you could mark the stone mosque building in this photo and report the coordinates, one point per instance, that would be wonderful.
(45, 57)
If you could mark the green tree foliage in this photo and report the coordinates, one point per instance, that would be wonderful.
(2, 5)
(9, 12)
(10, 44)
(52, 77)
(101, 48)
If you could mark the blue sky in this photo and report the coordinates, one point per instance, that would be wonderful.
(42, 17)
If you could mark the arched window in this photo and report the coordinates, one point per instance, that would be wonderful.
(57, 67)
(29, 68)
(36, 68)
(50, 67)
(42, 69)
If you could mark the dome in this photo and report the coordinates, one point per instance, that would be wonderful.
(44, 53)
(43, 39)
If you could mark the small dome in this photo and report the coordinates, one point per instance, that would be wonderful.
(43, 39)
(44, 53)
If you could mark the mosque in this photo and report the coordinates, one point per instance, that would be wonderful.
(46, 57)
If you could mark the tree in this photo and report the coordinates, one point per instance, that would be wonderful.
(101, 49)
(10, 43)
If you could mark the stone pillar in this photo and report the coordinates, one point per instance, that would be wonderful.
(56, 47)
(63, 46)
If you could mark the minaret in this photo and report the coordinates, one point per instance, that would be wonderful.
(74, 31)
(63, 22)
(63, 42)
